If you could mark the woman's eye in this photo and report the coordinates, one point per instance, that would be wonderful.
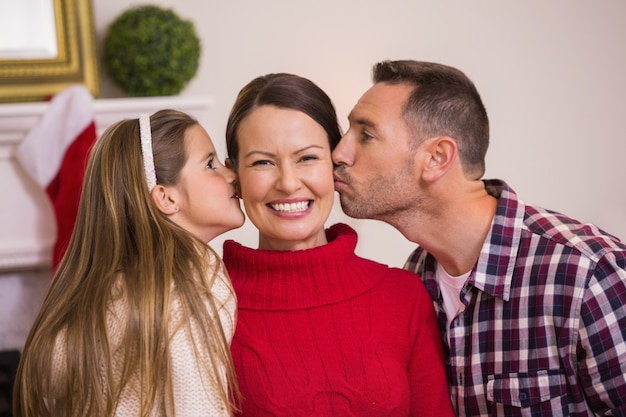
(261, 162)
(309, 158)
(211, 164)
(366, 136)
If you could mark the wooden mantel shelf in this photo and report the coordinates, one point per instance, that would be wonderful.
(27, 226)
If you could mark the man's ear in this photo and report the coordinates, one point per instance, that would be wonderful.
(441, 154)
(164, 199)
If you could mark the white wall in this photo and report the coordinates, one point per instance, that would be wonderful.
(552, 75)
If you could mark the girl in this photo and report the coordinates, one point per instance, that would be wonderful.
(140, 312)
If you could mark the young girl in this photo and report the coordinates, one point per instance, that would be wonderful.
(140, 313)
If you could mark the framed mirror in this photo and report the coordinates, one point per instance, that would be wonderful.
(46, 46)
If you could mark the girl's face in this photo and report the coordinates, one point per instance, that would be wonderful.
(205, 195)
(286, 177)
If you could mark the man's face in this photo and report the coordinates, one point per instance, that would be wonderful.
(375, 170)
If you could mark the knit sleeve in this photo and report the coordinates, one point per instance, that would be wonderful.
(427, 374)
(193, 387)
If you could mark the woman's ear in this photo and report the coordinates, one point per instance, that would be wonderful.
(441, 154)
(230, 165)
(164, 199)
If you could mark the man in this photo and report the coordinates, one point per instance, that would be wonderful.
(531, 303)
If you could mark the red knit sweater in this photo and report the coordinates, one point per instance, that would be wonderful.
(322, 332)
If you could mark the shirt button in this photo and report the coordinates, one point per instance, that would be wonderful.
(523, 396)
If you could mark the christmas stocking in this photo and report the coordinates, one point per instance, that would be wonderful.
(54, 153)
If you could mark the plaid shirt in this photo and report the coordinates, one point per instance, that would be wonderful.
(543, 332)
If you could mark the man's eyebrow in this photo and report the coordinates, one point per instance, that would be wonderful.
(361, 121)
(364, 122)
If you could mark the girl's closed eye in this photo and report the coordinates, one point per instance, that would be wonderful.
(213, 162)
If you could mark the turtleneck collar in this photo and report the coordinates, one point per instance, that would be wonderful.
(289, 280)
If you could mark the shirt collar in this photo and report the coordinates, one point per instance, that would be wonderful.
(493, 273)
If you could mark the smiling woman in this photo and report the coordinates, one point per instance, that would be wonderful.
(315, 319)
(46, 46)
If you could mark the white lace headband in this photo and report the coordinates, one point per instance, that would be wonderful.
(146, 150)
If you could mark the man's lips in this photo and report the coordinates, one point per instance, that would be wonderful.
(339, 182)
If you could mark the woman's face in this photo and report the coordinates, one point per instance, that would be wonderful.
(205, 194)
(286, 177)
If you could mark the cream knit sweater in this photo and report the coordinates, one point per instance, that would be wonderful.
(193, 392)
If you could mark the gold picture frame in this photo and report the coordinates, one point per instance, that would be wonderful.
(38, 79)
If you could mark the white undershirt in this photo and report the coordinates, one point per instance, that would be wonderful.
(450, 291)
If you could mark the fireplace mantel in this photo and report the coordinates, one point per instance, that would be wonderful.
(27, 225)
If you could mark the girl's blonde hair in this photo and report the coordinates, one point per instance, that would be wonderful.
(121, 239)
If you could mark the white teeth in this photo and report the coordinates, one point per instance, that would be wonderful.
(291, 207)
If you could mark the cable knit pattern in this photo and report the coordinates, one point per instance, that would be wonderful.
(322, 332)
(193, 392)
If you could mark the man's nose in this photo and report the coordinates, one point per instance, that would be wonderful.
(343, 154)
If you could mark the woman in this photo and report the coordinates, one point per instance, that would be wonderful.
(140, 312)
(320, 330)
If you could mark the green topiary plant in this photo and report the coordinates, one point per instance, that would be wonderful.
(150, 51)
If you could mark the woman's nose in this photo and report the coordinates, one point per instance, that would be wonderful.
(288, 180)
